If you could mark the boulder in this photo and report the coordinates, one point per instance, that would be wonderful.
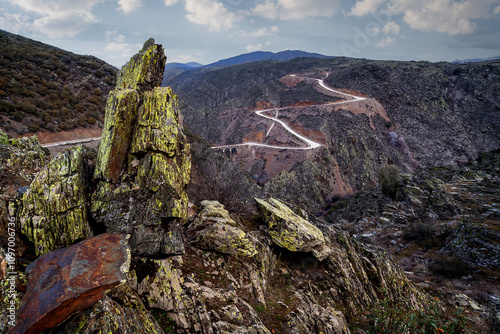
(213, 229)
(311, 317)
(291, 231)
(120, 311)
(70, 280)
(54, 208)
(144, 160)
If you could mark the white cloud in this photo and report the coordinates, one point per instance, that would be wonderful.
(454, 17)
(364, 7)
(63, 25)
(296, 9)
(385, 42)
(391, 27)
(253, 48)
(170, 2)
(259, 32)
(60, 18)
(16, 23)
(210, 13)
(128, 6)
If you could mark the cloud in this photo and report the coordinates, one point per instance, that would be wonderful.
(259, 32)
(385, 42)
(170, 2)
(16, 23)
(60, 18)
(446, 16)
(365, 7)
(210, 13)
(63, 25)
(296, 9)
(253, 48)
(128, 6)
(391, 27)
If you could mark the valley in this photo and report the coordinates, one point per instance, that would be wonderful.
(306, 195)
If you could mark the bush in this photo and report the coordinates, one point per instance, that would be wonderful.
(4, 139)
(398, 317)
(389, 180)
(449, 266)
(422, 232)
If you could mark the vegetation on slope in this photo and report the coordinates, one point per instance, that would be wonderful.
(46, 88)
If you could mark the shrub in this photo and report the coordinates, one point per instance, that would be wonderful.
(389, 180)
(4, 139)
(449, 266)
(422, 232)
(398, 317)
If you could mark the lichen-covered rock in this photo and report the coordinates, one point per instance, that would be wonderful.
(311, 317)
(120, 311)
(24, 152)
(118, 125)
(144, 161)
(289, 230)
(54, 209)
(144, 71)
(72, 279)
(213, 229)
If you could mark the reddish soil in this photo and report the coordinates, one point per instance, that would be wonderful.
(80, 133)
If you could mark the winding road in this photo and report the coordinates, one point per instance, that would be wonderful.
(310, 143)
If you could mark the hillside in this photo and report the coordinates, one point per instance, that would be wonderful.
(128, 250)
(43, 88)
(174, 69)
(417, 114)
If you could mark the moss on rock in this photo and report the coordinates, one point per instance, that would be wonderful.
(144, 160)
(213, 229)
(289, 230)
(54, 209)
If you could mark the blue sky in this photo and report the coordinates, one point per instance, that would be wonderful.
(208, 30)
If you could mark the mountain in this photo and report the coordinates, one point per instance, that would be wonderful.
(414, 115)
(169, 66)
(265, 55)
(43, 88)
(120, 248)
(475, 60)
(172, 70)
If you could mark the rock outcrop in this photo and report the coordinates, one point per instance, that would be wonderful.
(291, 231)
(54, 210)
(72, 279)
(213, 229)
(121, 310)
(144, 161)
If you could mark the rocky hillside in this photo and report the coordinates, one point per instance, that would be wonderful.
(142, 260)
(417, 114)
(43, 88)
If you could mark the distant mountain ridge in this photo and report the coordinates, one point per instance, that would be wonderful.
(174, 69)
(265, 55)
(169, 66)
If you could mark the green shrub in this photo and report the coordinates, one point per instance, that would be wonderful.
(398, 317)
(449, 266)
(422, 232)
(389, 180)
(4, 139)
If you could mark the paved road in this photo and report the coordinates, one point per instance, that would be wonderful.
(310, 144)
(71, 142)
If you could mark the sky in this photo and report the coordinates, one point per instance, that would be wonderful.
(205, 31)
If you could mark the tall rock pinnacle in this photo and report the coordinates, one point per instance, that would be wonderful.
(144, 160)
